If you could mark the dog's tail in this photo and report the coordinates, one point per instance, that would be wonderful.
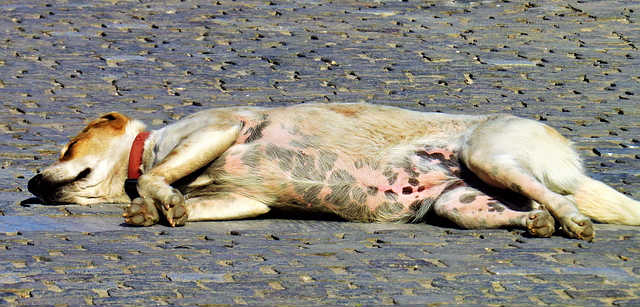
(602, 203)
(560, 168)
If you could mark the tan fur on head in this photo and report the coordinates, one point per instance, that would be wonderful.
(92, 166)
(90, 138)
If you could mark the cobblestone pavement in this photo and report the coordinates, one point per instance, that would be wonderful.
(572, 64)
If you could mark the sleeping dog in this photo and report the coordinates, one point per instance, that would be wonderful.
(362, 162)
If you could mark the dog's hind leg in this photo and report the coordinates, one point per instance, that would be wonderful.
(532, 159)
(193, 152)
(223, 206)
(472, 209)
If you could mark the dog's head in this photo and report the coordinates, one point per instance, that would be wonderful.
(92, 166)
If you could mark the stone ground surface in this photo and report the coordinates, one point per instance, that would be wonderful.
(572, 64)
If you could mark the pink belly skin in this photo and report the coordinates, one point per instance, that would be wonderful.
(300, 172)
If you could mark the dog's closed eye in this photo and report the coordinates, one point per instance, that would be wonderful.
(83, 174)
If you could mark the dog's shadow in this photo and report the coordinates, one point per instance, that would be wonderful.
(508, 198)
(33, 201)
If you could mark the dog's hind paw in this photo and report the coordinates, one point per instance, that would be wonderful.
(540, 224)
(141, 212)
(578, 227)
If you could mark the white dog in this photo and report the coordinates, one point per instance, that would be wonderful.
(362, 162)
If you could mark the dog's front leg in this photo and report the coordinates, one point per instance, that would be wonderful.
(193, 152)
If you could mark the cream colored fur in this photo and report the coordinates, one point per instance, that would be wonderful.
(604, 204)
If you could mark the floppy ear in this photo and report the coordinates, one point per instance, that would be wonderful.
(115, 120)
(112, 120)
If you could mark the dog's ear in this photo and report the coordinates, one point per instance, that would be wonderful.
(115, 120)
(112, 120)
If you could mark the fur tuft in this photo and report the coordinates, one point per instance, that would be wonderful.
(606, 205)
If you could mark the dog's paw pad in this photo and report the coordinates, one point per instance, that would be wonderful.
(141, 212)
(540, 223)
(579, 227)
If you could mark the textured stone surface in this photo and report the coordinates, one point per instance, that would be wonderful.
(572, 64)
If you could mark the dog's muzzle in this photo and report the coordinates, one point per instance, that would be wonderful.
(48, 190)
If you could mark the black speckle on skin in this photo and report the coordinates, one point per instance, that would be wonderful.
(430, 156)
(494, 206)
(467, 198)
(449, 163)
(407, 165)
(255, 133)
(391, 180)
(390, 175)
(358, 163)
(407, 190)
(391, 195)
(413, 181)
(371, 190)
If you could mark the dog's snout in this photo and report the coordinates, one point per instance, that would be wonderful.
(35, 184)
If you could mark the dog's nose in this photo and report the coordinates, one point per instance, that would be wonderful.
(35, 184)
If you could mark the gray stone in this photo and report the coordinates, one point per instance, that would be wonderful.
(570, 65)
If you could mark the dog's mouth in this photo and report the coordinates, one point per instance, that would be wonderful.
(50, 191)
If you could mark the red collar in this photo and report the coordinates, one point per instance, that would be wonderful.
(135, 155)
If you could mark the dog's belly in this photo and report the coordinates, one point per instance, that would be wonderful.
(326, 167)
(285, 173)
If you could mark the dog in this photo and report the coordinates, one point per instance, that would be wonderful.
(359, 161)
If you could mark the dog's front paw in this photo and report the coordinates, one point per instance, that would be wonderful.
(174, 209)
(141, 212)
(578, 226)
(167, 199)
(540, 223)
